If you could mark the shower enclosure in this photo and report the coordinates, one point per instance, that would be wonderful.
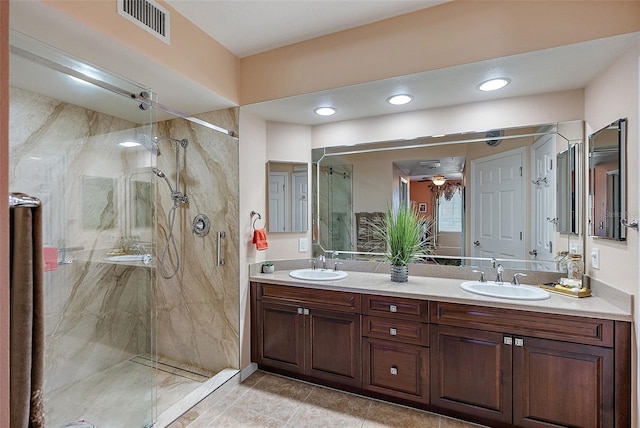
(124, 346)
(336, 221)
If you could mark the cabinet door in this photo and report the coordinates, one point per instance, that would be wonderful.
(396, 369)
(471, 372)
(280, 336)
(559, 384)
(333, 346)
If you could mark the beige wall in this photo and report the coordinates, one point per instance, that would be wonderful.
(616, 94)
(450, 34)
(4, 213)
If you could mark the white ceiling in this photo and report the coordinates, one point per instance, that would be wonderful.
(247, 27)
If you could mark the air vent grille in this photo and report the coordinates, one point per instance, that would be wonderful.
(148, 15)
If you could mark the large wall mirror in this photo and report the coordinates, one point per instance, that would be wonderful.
(607, 178)
(494, 193)
(287, 193)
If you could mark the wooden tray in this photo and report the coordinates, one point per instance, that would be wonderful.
(561, 289)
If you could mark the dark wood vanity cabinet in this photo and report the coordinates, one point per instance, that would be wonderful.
(499, 367)
(395, 347)
(310, 332)
(528, 369)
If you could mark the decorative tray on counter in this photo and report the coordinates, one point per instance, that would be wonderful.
(566, 290)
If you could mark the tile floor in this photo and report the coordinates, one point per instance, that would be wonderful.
(267, 400)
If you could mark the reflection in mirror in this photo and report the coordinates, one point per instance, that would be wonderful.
(568, 162)
(99, 203)
(287, 185)
(607, 174)
(140, 206)
(352, 185)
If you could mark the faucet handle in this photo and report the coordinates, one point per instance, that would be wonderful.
(481, 275)
(335, 266)
(313, 264)
(515, 278)
(500, 268)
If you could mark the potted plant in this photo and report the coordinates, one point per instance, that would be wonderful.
(267, 267)
(404, 232)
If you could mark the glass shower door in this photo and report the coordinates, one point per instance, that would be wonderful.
(87, 154)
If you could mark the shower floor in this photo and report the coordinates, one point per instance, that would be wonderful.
(122, 396)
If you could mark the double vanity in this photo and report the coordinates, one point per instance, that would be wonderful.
(552, 362)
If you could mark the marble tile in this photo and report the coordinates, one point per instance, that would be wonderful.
(388, 415)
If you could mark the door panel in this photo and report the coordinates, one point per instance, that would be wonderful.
(471, 372)
(280, 340)
(559, 384)
(543, 195)
(278, 201)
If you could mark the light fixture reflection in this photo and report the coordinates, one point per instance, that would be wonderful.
(325, 111)
(438, 179)
(494, 84)
(398, 100)
(129, 144)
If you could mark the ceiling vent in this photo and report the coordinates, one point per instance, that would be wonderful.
(149, 15)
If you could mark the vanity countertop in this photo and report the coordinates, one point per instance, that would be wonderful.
(605, 302)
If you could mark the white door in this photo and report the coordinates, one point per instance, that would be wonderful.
(543, 201)
(299, 208)
(498, 206)
(277, 201)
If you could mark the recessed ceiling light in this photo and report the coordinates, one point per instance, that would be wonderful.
(129, 144)
(325, 111)
(398, 100)
(494, 84)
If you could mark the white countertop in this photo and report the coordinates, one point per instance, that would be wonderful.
(600, 305)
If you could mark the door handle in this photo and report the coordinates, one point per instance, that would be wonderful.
(476, 243)
(534, 253)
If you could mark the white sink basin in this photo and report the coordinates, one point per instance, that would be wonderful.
(318, 274)
(505, 290)
(126, 258)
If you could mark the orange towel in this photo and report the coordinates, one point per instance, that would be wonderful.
(260, 239)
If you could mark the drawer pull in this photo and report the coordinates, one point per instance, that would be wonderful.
(394, 370)
(393, 308)
(393, 331)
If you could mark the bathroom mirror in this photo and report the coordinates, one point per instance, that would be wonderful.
(607, 178)
(569, 189)
(140, 205)
(287, 196)
(353, 184)
(99, 203)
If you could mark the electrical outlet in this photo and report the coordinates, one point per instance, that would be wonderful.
(302, 245)
(595, 258)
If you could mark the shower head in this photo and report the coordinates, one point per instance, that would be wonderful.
(157, 172)
(149, 144)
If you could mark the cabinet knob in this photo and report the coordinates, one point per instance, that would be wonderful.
(394, 370)
(519, 342)
(300, 311)
(393, 308)
(508, 340)
(306, 311)
(393, 331)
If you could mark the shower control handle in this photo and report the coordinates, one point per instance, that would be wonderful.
(221, 236)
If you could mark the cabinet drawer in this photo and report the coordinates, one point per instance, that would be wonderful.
(397, 370)
(396, 330)
(396, 307)
(324, 299)
(589, 331)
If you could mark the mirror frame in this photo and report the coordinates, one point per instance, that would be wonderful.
(575, 241)
(619, 212)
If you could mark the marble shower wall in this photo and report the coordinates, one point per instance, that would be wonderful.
(198, 310)
(96, 314)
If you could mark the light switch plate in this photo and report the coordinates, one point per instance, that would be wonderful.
(302, 245)
(595, 258)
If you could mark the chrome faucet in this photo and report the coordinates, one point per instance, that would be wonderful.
(313, 264)
(499, 271)
(322, 259)
(515, 278)
(481, 275)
